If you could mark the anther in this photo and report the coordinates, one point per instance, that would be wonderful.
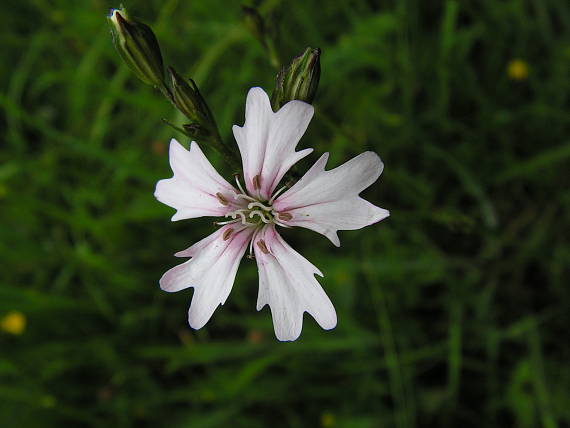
(256, 182)
(227, 234)
(285, 216)
(222, 199)
(262, 246)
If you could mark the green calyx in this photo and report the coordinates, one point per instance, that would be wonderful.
(187, 98)
(299, 80)
(138, 46)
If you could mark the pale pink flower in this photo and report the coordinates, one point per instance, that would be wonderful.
(323, 201)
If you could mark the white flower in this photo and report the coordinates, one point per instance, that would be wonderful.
(323, 201)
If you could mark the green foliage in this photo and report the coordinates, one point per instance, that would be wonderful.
(452, 312)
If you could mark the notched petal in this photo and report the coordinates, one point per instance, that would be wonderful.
(287, 284)
(196, 189)
(267, 141)
(211, 271)
(329, 201)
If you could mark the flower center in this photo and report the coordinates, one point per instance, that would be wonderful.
(255, 213)
(251, 211)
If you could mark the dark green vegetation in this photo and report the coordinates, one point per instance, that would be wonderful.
(452, 312)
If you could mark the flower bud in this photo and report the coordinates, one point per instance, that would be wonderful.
(187, 98)
(299, 80)
(189, 101)
(138, 47)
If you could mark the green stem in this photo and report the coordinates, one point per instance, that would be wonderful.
(230, 156)
(272, 52)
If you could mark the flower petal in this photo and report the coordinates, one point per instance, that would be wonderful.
(328, 201)
(193, 188)
(287, 284)
(267, 141)
(211, 271)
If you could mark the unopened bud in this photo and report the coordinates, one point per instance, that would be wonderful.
(299, 80)
(189, 101)
(187, 97)
(138, 47)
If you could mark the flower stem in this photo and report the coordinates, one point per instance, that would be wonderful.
(231, 157)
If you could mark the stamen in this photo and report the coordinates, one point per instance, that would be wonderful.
(243, 218)
(239, 184)
(239, 213)
(261, 215)
(223, 223)
(258, 204)
(262, 246)
(222, 199)
(276, 194)
(227, 234)
(251, 243)
(246, 197)
(285, 216)
(281, 224)
(247, 211)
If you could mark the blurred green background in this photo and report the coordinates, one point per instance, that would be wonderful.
(452, 312)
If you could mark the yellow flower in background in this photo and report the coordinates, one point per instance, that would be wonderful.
(13, 323)
(328, 420)
(517, 69)
(48, 401)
